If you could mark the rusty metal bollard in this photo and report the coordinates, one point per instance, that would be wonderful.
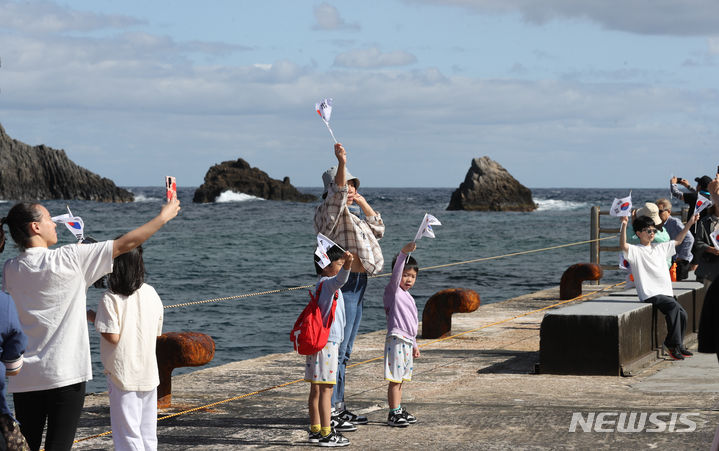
(437, 313)
(571, 284)
(178, 349)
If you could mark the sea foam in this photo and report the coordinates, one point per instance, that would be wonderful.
(231, 196)
(143, 198)
(559, 205)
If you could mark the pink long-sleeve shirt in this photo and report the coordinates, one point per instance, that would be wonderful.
(399, 305)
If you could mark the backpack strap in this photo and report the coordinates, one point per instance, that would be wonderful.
(316, 296)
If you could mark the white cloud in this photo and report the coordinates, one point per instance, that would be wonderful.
(327, 17)
(134, 105)
(714, 45)
(373, 57)
(48, 17)
(655, 17)
(106, 103)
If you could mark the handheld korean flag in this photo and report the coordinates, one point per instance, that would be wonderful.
(73, 223)
(323, 245)
(425, 229)
(324, 109)
(623, 263)
(702, 203)
(715, 238)
(621, 207)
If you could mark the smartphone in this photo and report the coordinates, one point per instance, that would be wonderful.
(170, 186)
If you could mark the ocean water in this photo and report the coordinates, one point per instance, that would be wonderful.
(241, 244)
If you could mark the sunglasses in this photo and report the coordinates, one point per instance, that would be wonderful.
(652, 231)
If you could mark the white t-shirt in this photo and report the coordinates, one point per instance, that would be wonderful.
(49, 287)
(649, 267)
(131, 363)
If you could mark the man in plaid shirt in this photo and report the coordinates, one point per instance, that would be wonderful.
(338, 218)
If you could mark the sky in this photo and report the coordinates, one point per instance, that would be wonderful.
(561, 93)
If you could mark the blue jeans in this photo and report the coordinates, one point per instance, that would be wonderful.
(352, 292)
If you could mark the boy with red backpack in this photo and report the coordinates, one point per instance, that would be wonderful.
(321, 368)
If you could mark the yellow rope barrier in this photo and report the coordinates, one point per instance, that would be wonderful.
(476, 260)
(266, 389)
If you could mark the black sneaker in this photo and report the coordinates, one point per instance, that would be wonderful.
(352, 417)
(341, 425)
(685, 352)
(674, 352)
(314, 437)
(334, 439)
(397, 419)
(411, 419)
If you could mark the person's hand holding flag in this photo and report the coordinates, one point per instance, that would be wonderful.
(73, 223)
(323, 245)
(425, 228)
(324, 109)
(621, 207)
(702, 203)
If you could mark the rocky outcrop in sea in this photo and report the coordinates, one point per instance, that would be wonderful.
(41, 172)
(489, 187)
(239, 177)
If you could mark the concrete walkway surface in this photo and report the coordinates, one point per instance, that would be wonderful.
(476, 391)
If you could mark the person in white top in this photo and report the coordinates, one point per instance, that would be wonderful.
(654, 285)
(49, 287)
(129, 318)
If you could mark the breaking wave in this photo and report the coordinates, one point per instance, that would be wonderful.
(559, 205)
(231, 196)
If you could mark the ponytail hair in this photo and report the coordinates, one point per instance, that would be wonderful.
(18, 219)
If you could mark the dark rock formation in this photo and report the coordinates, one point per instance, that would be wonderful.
(239, 177)
(489, 187)
(40, 172)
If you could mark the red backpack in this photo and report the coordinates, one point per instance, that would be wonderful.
(310, 334)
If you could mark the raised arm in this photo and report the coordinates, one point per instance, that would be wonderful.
(341, 154)
(679, 238)
(134, 238)
(399, 265)
(623, 234)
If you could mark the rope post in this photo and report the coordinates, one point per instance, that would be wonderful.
(594, 236)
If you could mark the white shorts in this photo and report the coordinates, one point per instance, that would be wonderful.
(321, 368)
(398, 359)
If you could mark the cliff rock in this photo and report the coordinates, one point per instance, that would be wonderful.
(489, 187)
(239, 177)
(40, 172)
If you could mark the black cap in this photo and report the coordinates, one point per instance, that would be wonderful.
(703, 182)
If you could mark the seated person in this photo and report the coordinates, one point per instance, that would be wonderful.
(654, 285)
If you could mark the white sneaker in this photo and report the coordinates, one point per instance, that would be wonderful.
(334, 439)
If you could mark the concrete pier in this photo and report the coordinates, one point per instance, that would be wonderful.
(476, 391)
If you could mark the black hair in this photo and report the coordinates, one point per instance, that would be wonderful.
(18, 220)
(410, 264)
(642, 222)
(128, 273)
(334, 253)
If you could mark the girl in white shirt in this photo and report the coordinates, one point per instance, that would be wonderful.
(129, 318)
